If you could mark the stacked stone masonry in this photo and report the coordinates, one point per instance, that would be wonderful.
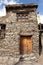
(10, 45)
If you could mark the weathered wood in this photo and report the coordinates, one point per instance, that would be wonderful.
(26, 45)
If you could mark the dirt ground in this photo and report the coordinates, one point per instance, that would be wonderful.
(40, 60)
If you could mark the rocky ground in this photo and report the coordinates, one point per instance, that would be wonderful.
(27, 62)
(40, 60)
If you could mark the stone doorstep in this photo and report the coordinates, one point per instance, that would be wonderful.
(29, 58)
(26, 57)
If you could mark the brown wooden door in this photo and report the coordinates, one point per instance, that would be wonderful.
(25, 45)
(29, 43)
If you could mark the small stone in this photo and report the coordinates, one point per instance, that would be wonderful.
(33, 57)
(32, 54)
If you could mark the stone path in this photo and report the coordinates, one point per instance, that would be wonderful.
(41, 57)
(27, 63)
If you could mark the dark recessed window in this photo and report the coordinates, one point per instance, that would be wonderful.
(2, 31)
(41, 26)
(22, 16)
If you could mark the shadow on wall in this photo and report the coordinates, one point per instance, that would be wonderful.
(40, 44)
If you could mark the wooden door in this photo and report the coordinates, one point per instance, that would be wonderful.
(29, 44)
(25, 45)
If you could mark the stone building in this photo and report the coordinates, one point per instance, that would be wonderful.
(19, 34)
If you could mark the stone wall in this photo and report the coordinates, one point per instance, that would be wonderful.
(10, 45)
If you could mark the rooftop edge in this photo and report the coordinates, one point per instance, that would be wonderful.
(22, 5)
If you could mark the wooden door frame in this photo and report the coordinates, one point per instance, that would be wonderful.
(24, 36)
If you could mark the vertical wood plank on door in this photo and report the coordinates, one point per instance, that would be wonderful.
(29, 43)
(23, 45)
